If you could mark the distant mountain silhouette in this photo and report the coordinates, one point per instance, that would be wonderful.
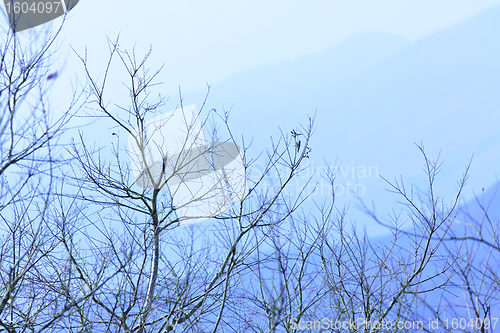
(376, 95)
(344, 60)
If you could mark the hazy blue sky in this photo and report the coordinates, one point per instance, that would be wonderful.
(200, 42)
(208, 41)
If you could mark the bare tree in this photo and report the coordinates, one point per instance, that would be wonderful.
(267, 264)
(466, 298)
(471, 301)
(156, 277)
(30, 131)
(322, 273)
(160, 228)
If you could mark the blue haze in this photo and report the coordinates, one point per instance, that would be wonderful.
(375, 95)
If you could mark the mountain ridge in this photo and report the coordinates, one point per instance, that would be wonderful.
(441, 91)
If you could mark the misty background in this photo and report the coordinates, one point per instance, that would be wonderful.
(378, 78)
